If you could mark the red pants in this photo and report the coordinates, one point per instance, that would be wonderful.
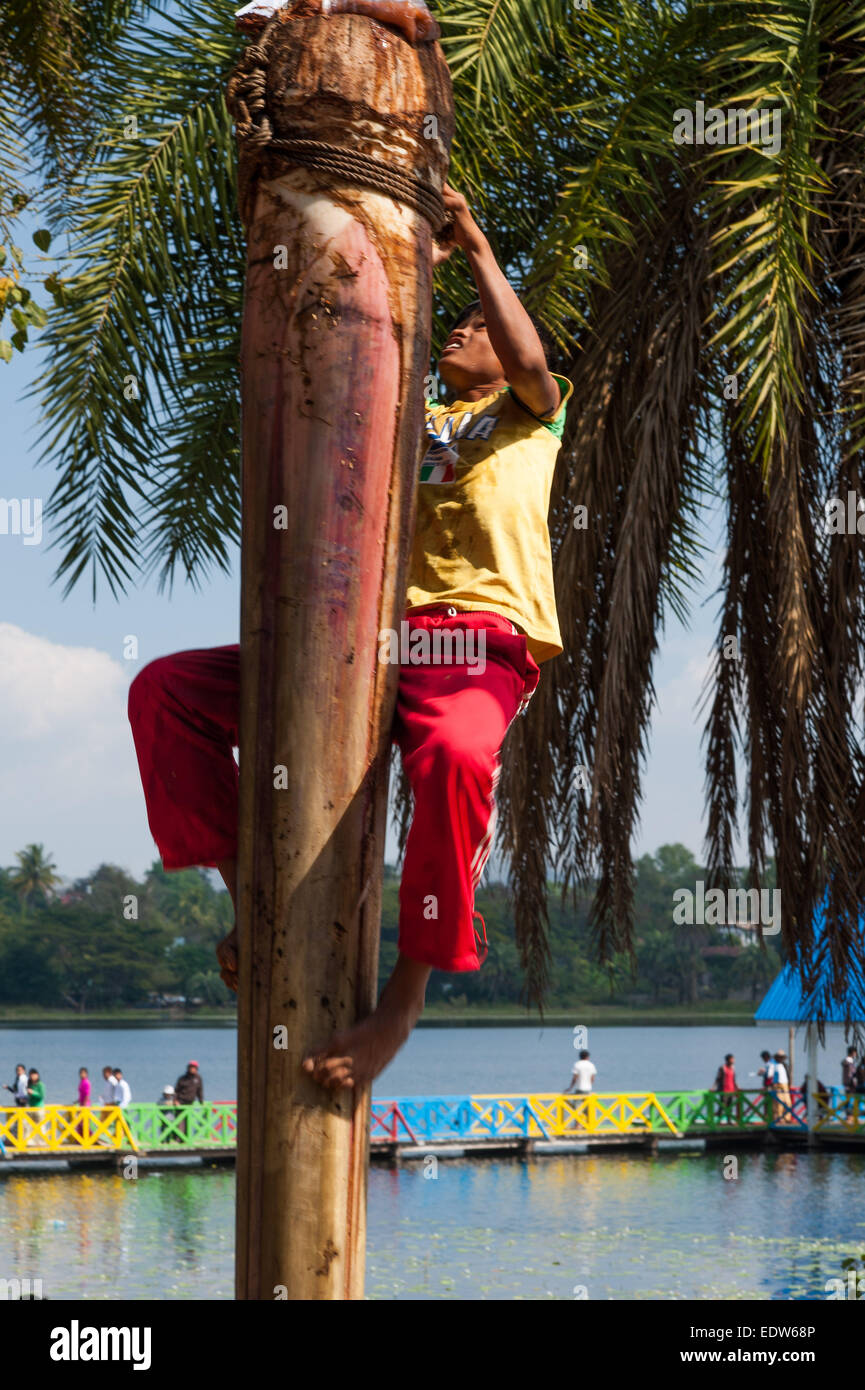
(450, 723)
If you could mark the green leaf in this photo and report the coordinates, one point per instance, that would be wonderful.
(54, 286)
(36, 314)
(42, 239)
(5, 350)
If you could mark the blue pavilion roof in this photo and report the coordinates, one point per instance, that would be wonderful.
(785, 1002)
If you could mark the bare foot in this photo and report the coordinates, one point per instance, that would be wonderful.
(355, 1057)
(226, 954)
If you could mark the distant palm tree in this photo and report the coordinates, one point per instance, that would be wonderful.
(35, 876)
(708, 302)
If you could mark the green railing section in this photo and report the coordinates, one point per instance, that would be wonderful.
(696, 1112)
(212, 1125)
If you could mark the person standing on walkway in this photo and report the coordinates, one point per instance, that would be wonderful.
(35, 1090)
(189, 1087)
(859, 1091)
(84, 1092)
(167, 1102)
(35, 1104)
(122, 1093)
(584, 1073)
(19, 1085)
(84, 1087)
(107, 1096)
(726, 1085)
(782, 1110)
(766, 1070)
(848, 1079)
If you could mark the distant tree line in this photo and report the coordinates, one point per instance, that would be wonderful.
(673, 964)
(109, 940)
(112, 941)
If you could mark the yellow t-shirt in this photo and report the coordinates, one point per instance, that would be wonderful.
(481, 539)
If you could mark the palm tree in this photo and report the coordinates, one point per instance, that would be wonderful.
(50, 50)
(35, 877)
(707, 302)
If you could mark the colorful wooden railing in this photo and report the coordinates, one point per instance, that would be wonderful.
(840, 1111)
(58, 1127)
(440, 1118)
(209, 1126)
(437, 1119)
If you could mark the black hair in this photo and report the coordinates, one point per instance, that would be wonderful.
(540, 328)
(764, 1055)
(584, 1054)
(728, 1056)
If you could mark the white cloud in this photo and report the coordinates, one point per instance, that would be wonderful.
(68, 772)
(69, 776)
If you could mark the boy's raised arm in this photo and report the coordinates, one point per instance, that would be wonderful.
(511, 332)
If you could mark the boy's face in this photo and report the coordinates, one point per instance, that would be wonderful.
(467, 357)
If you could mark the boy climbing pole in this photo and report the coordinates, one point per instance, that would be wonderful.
(481, 563)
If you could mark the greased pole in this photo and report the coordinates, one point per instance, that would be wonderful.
(335, 346)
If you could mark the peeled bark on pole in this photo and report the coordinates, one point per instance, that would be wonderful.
(335, 346)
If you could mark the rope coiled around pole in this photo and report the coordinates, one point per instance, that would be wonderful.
(362, 169)
(247, 101)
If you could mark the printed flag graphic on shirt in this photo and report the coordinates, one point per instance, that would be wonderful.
(439, 462)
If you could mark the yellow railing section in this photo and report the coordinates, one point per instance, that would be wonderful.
(59, 1128)
(608, 1112)
(552, 1116)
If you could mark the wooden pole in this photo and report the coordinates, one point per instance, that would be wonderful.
(335, 347)
(811, 1043)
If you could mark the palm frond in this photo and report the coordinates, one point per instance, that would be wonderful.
(156, 241)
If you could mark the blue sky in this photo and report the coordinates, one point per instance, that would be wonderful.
(68, 774)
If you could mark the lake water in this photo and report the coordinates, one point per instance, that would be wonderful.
(435, 1061)
(619, 1226)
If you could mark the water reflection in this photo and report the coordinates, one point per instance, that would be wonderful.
(162, 1235)
(621, 1225)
